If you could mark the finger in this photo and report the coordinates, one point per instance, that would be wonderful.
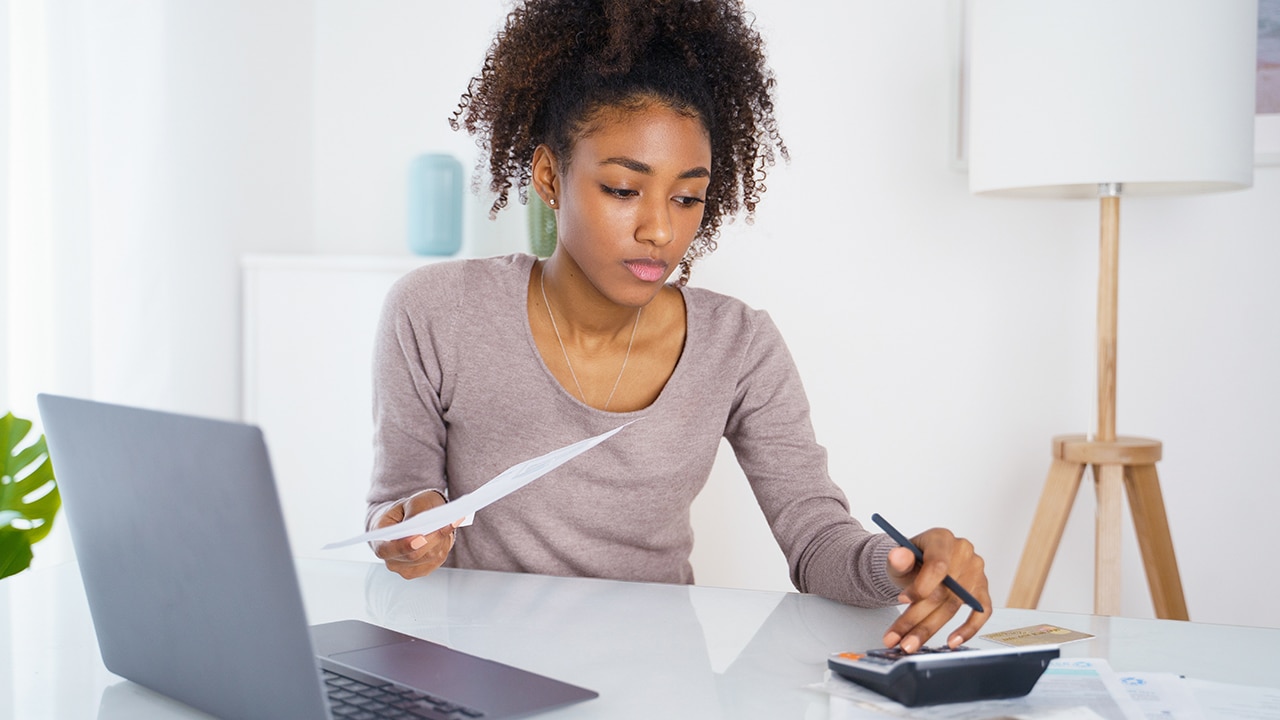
(416, 547)
(942, 605)
(401, 548)
(397, 547)
(971, 626)
(915, 637)
(902, 565)
(926, 615)
(425, 559)
(433, 554)
(912, 615)
(976, 620)
(917, 619)
(411, 547)
(927, 581)
(938, 547)
(393, 515)
(969, 571)
(405, 547)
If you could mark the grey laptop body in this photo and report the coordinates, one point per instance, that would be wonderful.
(181, 544)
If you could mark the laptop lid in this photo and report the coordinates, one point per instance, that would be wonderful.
(181, 544)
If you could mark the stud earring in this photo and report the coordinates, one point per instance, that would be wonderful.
(552, 202)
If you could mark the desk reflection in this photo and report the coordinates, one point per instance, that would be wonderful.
(679, 651)
(650, 650)
(127, 700)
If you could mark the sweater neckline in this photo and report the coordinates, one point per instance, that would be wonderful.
(523, 278)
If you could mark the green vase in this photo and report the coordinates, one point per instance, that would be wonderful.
(542, 227)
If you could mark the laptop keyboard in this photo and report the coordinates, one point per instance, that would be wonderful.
(350, 699)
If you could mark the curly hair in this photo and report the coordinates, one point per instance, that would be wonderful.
(557, 63)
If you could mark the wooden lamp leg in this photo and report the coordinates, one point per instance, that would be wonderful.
(1056, 499)
(1109, 486)
(1152, 528)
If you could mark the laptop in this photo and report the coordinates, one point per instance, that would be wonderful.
(191, 584)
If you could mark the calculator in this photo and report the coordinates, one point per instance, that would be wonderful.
(933, 676)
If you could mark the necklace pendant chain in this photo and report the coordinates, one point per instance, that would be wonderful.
(542, 285)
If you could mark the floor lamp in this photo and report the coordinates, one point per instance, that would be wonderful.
(1108, 99)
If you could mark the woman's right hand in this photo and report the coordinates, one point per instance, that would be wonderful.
(416, 555)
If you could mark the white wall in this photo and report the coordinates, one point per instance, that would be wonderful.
(215, 163)
(944, 339)
(160, 141)
(386, 83)
(179, 137)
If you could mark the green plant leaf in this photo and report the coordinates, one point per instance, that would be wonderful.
(29, 497)
(15, 552)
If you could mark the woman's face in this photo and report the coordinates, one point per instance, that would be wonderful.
(631, 199)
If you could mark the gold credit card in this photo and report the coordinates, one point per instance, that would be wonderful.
(1036, 635)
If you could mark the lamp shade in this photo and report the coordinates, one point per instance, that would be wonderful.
(1156, 95)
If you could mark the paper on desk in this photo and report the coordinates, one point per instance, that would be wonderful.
(1166, 696)
(1223, 700)
(1162, 696)
(844, 709)
(506, 482)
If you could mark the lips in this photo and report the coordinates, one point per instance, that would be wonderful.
(647, 270)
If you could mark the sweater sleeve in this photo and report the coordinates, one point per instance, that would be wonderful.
(410, 387)
(829, 552)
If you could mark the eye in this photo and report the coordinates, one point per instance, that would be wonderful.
(619, 192)
(689, 200)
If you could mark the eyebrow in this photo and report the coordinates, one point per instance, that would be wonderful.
(645, 168)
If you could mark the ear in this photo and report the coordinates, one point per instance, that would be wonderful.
(546, 176)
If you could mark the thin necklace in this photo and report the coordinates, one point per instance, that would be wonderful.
(542, 285)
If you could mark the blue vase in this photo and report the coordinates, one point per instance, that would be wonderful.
(435, 204)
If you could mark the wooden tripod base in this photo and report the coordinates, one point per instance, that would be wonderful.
(1130, 462)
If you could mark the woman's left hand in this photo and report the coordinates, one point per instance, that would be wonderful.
(930, 603)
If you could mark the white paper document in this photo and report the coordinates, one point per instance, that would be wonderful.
(507, 482)
(1162, 696)
(1166, 696)
(1219, 701)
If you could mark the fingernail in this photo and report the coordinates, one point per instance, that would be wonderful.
(910, 645)
(904, 599)
(955, 641)
(891, 639)
(417, 542)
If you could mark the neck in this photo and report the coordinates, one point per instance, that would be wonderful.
(584, 314)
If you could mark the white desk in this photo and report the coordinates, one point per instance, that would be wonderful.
(651, 651)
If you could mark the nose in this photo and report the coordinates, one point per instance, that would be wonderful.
(654, 224)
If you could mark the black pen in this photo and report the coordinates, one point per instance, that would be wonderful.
(949, 581)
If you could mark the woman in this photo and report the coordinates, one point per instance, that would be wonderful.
(642, 125)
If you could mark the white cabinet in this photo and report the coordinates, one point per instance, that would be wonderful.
(308, 330)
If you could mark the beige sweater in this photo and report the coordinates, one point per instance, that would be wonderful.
(461, 393)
